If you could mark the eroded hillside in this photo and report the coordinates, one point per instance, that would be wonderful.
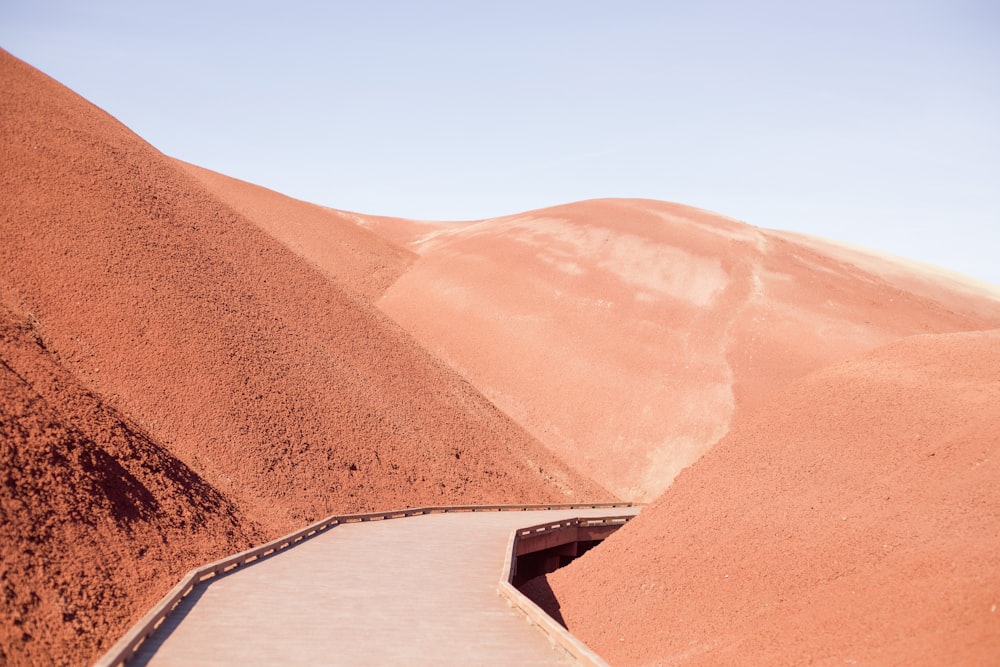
(275, 391)
(627, 335)
(96, 519)
(851, 519)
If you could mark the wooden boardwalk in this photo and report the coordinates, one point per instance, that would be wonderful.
(415, 591)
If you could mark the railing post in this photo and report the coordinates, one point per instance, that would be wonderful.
(129, 644)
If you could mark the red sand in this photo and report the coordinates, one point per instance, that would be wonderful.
(95, 518)
(330, 240)
(281, 393)
(176, 384)
(853, 519)
(627, 334)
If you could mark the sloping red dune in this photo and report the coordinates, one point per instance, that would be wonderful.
(626, 335)
(853, 519)
(95, 517)
(233, 351)
(190, 364)
(275, 388)
(331, 240)
(962, 293)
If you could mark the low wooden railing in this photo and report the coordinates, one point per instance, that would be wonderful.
(558, 635)
(129, 644)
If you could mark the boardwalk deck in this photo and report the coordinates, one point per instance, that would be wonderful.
(414, 591)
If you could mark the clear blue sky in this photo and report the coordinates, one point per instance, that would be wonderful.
(876, 123)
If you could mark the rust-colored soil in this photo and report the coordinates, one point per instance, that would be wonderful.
(265, 392)
(190, 364)
(333, 241)
(853, 519)
(95, 518)
(626, 335)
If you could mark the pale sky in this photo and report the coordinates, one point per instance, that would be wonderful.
(875, 123)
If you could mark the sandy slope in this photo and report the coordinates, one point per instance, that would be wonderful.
(235, 352)
(627, 334)
(853, 519)
(964, 293)
(331, 240)
(283, 392)
(174, 379)
(95, 518)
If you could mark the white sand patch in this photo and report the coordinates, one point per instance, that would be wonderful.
(353, 217)
(427, 242)
(819, 268)
(758, 284)
(656, 268)
(723, 226)
(662, 466)
(703, 422)
(665, 269)
(563, 265)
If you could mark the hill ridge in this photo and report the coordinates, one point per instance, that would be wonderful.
(282, 389)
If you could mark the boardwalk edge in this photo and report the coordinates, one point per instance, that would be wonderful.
(558, 635)
(126, 647)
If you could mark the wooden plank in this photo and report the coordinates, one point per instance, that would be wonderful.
(366, 592)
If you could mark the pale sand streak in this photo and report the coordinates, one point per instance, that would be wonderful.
(414, 591)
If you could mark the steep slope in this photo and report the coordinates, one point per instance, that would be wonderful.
(962, 293)
(252, 383)
(95, 518)
(855, 518)
(330, 240)
(627, 334)
(272, 381)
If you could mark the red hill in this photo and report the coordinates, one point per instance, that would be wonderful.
(95, 518)
(330, 240)
(190, 364)
(267, 392)
(627, 335)
(853, 519)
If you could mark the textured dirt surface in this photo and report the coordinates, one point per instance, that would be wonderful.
(95, 518)
(962, 293)
(853, 519)
(190, 364)
(333, 241)
(626, 335)
(277, 392)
